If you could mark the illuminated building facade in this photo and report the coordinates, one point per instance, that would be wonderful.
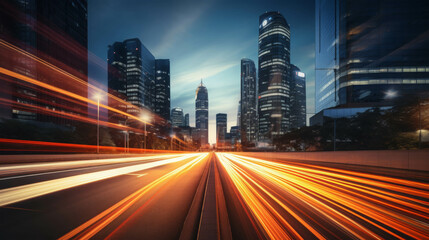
(273, 76)
(162, 88)
(370, 53)
(298, 101)
(221, 128)
(177, 119)
(202, 115)
(248, 103)
(56, 32)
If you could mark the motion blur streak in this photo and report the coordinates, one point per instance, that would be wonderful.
(94, 225)
(20, 193)
(364, 206)
(30, 167)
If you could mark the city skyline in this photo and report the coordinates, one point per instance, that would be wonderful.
(193, 43)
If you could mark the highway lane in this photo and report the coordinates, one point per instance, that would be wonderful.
(97, 202)
(291, 200)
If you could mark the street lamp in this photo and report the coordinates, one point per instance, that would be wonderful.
(145, 118)
(97, 96)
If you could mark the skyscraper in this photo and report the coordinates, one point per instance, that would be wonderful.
(136, 76)
(274, 76)
(140, 75)
(370, 53)
(221, 121)
(298, 108)
(187, 120)
(248, 111)
(56, 32)
(162, 88)
(202, 114)
(177, 119)
(117, 79)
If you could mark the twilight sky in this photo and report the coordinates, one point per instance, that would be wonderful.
(202, 39)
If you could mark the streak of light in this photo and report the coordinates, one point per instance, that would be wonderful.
(20, 193)
(70, 147)
(347, 200)
(97, 223)
(76, 165)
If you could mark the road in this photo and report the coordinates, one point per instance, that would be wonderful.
(209, 196)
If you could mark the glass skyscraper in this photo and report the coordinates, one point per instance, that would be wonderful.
(248, 111)
(177, 119)
(297, 98)
(140, 75)
(274, 76)
(56, 32)
(202, 114)
(135, 76)
(162, 88)
(221, 130)
(370, 53)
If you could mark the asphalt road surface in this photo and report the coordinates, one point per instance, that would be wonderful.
(210, 196)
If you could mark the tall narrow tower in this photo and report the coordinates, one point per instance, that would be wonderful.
(274, 76)
(202, 114)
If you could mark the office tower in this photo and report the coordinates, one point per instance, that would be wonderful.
(234, 134)
(273, 76)
(202, 114)
(221, 121)
(248, 102)
(140, 75)
(132, 66)
(56, 32)
(177, 119)
(297, 98)
(162, 88)
(370, 53)
(117, 80)
(187, 120)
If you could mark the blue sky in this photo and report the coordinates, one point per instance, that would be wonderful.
(202, 39)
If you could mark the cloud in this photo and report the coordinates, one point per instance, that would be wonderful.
(179, 28)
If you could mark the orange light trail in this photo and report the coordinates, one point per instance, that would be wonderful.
(21, 193)
(363, 206)
(97, 223)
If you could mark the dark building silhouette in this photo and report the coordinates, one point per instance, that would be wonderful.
(248, 103)
(298, 101)
(162, 88)
(56, 32)
(221, 129)
(201, 114)
(187, 120)
(370, 53)
(117, 79)
(273, 76)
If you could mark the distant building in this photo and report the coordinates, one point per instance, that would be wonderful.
(221, 128)
(177, 119)
(234, 134)
(298, 101)
(162, 88)
(56, 32)
(248, 95)
(370, 53)
(187, 120)
(202, 114)
(274, 76)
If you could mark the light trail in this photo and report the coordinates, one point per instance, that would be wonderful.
(97, 223)
(49, 166)
(364, 206)
(20, 193)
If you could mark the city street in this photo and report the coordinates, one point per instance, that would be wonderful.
(206, 196)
